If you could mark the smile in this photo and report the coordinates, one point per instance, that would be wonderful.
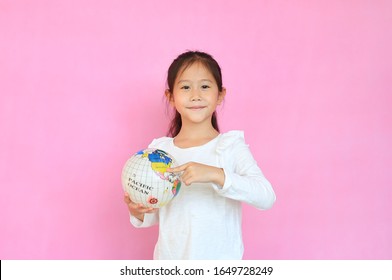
(196, 108)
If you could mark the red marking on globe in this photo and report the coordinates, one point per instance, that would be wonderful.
(152, 200)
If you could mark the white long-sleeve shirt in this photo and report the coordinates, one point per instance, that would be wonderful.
(204, 220)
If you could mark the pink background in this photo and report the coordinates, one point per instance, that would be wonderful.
(81, 89)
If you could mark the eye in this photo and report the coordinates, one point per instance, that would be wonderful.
(185, 87)
(205, 86)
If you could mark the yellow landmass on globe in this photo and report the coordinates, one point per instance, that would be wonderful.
(160, 167)
(159, 162)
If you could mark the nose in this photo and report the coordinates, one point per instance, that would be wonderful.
(195, 95)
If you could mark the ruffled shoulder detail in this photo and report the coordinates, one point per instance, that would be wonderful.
(157, 143)
(229, 139)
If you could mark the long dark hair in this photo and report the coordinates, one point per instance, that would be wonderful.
(180, 64)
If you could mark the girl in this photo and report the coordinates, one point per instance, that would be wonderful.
(218, 170)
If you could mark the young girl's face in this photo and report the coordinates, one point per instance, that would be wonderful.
(196, 94)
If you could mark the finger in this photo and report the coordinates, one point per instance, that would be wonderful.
(133, 206)
(152, 210)
(126, 198)
(141, 207)
(187, 182)
(173, 170)
(136, 209)
(179, 168)
(185, 179)
(146, 209)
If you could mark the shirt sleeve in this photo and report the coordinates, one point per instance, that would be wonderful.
(244, 180)
(150, 219)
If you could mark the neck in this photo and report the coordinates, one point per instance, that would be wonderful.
(196, 133)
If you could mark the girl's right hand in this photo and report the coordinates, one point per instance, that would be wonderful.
(137, 209)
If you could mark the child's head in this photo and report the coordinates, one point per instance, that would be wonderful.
(178, 66)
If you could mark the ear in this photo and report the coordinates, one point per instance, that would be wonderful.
(169, 97)
(222, 95)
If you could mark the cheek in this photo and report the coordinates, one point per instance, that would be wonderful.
(177, 102)
(214, 98)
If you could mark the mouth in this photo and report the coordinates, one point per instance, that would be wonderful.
(196, 108)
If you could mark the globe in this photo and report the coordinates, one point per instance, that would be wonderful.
(145, 179)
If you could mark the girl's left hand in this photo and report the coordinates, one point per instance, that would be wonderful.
(193, 172)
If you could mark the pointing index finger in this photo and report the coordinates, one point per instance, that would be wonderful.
(177, 169)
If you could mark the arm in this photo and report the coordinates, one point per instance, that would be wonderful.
(244, 181)
(239, 178)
